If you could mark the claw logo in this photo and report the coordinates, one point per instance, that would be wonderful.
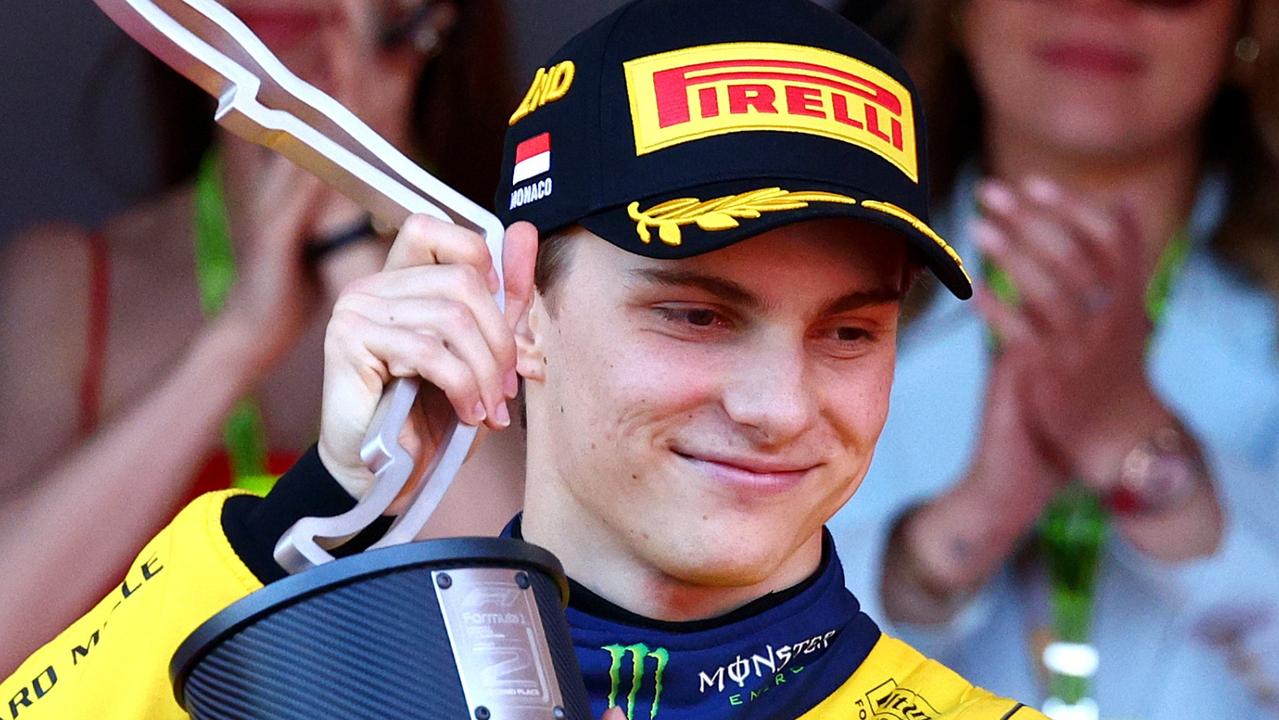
(709, 90)
(889, 701)
(635, 660)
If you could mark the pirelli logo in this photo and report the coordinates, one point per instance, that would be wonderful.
(710, 90)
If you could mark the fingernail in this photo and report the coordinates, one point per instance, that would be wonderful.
(502, 415)
(479, 413)
(1043, 190)
(511, 383)
(987, 236)
(996, 197)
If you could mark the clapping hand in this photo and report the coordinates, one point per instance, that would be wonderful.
(1079, 324)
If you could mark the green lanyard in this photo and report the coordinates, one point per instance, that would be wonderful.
(1073, 529)
(242, 433)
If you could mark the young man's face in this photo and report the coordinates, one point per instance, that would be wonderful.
(708, 415)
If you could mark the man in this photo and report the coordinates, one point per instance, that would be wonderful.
(731, 200)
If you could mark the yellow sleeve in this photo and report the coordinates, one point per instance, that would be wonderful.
(896, 682)
(113, 663)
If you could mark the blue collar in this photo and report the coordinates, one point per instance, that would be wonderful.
(777, 657)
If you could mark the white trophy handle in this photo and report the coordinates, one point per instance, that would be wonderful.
(262, 101)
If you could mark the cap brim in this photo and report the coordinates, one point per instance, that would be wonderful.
(698, 220)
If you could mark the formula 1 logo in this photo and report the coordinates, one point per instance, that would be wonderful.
(709, 90)
(633, 660)
(495, 617)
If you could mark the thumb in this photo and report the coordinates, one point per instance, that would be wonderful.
(613, 713)
(519, 258)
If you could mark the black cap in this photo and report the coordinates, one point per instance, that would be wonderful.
(676, 127)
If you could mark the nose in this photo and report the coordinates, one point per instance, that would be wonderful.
(768, 394)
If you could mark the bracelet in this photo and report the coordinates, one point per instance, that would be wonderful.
(318, 247)
(1157, 475)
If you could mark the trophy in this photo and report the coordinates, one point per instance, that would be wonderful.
(456, 628)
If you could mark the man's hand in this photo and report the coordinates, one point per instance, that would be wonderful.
(431, 314)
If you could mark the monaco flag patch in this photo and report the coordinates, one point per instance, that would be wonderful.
(532, 158)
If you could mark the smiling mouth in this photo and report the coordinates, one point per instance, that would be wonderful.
(752, 475)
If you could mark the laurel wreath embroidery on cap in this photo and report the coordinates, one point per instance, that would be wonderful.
(720, 213)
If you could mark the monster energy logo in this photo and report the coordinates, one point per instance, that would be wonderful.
(639, 654)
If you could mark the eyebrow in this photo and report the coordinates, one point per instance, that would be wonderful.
(863, 298)
(719, 287)
(736, 294)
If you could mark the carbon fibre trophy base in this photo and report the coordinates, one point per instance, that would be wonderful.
(442, 629)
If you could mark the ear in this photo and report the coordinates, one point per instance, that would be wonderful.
(530, 334)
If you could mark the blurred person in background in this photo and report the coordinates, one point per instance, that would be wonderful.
(128, 349)
(1114, 164)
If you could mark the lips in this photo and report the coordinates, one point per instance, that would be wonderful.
(761, 474)
(1090, 58)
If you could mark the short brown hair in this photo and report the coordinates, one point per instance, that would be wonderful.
(554, 253)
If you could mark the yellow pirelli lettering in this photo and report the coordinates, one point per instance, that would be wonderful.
(710, 90)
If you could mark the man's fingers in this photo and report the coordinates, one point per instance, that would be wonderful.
(456, 324)
(519, 258)
(613, 713)
(405, 353)
(456, 283)
(424, 240)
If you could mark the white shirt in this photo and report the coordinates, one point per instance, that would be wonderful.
(1214, 360)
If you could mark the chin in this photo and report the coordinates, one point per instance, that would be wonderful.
(1089, 134)
(722, 554)
(727, 570)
